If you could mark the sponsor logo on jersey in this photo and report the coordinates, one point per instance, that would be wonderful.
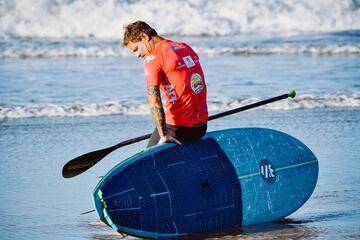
(180, 65)
(171, 92)
(149, 58)
(176, 46)
(196, 82)
(189, 61)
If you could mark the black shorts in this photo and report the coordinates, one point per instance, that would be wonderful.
(181, 133)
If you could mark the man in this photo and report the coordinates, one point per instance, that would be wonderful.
(174, 68)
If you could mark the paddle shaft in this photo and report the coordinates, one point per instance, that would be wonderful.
(247, 107)
(82, 163)
(213, 117)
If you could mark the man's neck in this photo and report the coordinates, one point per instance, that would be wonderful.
(156, 40)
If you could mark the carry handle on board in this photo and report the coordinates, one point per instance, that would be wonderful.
(82, 163)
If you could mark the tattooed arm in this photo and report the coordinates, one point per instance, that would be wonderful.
(158, 114)
(156, 109)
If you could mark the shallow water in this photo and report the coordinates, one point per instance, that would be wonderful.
(106, 86)
(38, 202)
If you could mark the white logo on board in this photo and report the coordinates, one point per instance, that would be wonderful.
(267, 171)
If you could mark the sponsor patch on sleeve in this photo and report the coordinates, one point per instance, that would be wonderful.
(196, 82)
(189, 61)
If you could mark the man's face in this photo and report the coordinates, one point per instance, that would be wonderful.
(139, 48)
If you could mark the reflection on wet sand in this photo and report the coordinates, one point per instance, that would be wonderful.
(284, 229)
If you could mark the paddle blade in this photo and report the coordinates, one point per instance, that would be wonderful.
(84, 162)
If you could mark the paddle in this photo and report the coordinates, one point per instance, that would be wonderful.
(82, 163)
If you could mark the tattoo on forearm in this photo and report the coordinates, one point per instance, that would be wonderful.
(156, 109)
(153, 91)
(159, 118)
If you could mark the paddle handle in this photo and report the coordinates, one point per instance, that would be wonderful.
(291, 94)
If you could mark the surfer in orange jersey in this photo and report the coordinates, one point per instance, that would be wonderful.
(174, 68)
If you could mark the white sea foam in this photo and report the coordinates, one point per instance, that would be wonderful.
(93, 28)
(113, 108)
(105, 19)
(72, 110)
(330, 49)
(96, 51)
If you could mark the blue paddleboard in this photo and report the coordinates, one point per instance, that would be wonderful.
(233, 177)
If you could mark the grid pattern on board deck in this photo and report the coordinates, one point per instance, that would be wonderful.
(181, 189)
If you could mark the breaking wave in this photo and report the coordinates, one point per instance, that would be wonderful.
(115, 50)
(93, 28)
(105, 19)
(341, 49)
(113, 108)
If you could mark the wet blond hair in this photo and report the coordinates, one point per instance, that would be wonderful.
(133, 32)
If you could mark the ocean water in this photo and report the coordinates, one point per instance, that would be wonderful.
(68, 87)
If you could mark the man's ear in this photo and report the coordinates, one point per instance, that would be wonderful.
(145, 37)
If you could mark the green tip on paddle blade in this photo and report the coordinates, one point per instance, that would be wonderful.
(292, 94)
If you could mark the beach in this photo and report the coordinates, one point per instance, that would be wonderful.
(67, 91)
